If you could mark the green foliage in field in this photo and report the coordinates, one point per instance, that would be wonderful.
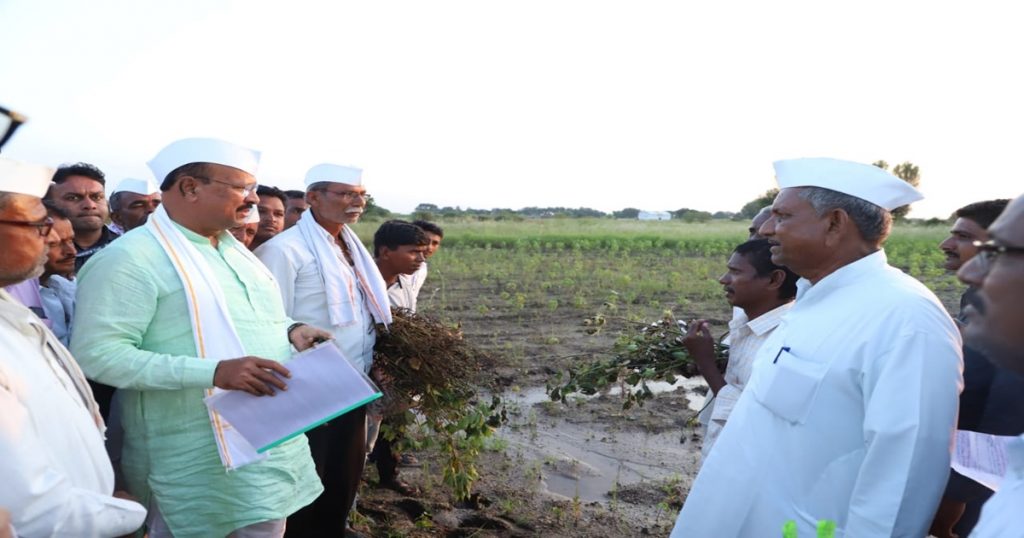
(573, 265)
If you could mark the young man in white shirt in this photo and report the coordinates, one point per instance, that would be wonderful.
(399, 248)
(763, 292)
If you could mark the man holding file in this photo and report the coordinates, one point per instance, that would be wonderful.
(172, 310)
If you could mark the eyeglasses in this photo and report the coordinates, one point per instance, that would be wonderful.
(43, 226)
(246, 190)
(350, 195)
(988, 251)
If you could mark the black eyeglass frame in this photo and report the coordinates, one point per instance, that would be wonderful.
(42, 226)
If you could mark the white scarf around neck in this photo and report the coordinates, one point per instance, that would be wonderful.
(342, 298)
(212, 328)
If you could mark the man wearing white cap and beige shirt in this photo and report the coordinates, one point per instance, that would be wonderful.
(55, 478)
(850, 410)
(173, 310)
(131, 203)
(330, 280)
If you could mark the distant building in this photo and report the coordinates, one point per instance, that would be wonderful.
(654, 215)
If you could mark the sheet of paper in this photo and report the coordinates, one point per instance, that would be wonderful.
(981, 457)
(324, 385)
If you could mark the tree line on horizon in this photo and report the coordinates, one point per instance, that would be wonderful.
(906, 171)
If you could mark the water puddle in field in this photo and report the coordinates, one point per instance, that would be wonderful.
(589, 460)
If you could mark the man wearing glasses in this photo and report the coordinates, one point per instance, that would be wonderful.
(329, 279)
(990, 402)
(170, 313)
(56, 478)
(996, 327)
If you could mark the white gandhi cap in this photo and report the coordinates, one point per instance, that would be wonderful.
(254, 215)
(203, 150)
(865, 181)
(137, 186)
(334, 173)
(24, 178)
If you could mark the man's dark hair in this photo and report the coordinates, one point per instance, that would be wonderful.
(395, 233)
(54, 211)
(758, 252)
(267, 190)
(982, 213)
(429, 227)
(196, 170)
(79, 169)
(294, 195)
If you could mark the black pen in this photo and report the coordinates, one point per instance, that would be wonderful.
(779, 354)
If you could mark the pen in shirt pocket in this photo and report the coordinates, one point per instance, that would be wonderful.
(779, 354)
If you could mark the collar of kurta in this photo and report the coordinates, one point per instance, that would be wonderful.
(807, 293)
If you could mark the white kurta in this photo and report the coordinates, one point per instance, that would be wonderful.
(402, 293)
(848, 416)
(1001, 517)
(302, 289)
(417, 279)
(55, 477)
(745, 339)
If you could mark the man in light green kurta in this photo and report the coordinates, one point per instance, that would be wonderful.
(135, 333)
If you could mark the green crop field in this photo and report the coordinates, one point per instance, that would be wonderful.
(577, 265)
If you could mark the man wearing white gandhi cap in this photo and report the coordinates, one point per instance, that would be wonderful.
(851, 407)
(131, 203)
(169, 312)
(56, 478)
(329, 279)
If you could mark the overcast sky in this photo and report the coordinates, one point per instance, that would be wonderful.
(655, 105)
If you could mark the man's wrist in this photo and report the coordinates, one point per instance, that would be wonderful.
(292, 327)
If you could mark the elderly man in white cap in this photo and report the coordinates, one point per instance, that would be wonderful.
(849, 414)
(245, 233)
(55, 478)
(329, 279)
(132, 202)
(173, 310)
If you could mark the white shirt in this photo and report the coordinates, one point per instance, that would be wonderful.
(58, 298)
(55, 476)
(848, 416)
(302, 291)
(745, 339)
(417, 279)
(1001, 517)
(402, 294)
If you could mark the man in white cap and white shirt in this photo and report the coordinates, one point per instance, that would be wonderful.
(329, 279)
(169, 312)
(131, 203)
(849, 413)
(55, 478)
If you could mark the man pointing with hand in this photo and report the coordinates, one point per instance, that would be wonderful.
(169, 314)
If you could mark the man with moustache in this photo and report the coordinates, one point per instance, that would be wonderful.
(245, 233)
(55, 478)
(271, 209)
(990, 402)
(849, 412)
(763, 292)
(293, 207)
(78, 190)
(169, 312)
(328, 278)
(995, 326)
(57, 285)
(132, 202)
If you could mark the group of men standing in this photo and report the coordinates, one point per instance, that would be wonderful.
(166, 313)
(850, 399)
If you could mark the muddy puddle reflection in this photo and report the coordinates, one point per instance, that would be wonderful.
(591, 460)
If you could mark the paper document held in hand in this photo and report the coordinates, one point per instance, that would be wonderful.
(323, 385)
